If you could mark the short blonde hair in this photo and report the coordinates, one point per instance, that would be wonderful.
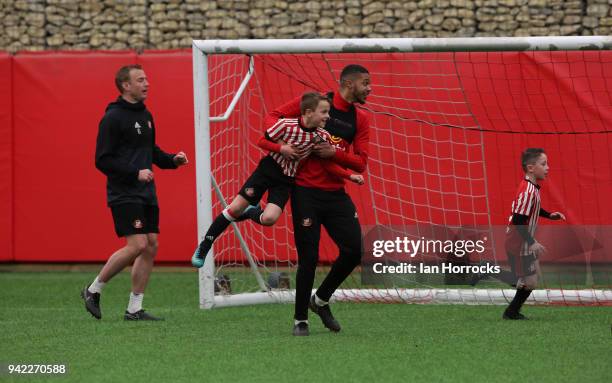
(310, 100)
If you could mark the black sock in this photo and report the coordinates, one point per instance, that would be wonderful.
(218, 226)
(519, 298)
(255, 215)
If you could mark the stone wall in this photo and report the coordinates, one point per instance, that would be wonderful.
(162, 24)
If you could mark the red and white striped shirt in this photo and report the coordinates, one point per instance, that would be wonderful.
(292, 132)
(527, 203)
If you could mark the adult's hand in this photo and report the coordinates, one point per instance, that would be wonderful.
(180, 159)
(324, 150)
(145, 175)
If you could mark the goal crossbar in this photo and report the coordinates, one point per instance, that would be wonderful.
(453, 44)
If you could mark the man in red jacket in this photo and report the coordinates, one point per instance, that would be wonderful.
(319, 197)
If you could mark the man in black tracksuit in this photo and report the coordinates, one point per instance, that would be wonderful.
(125, 153)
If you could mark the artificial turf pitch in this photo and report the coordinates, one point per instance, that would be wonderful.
(42, 320)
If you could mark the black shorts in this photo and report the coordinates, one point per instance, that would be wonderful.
(522, 266)
(268, 176)
(132, 218)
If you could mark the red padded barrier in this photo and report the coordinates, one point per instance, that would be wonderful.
(59, 200)
(58, 99)
(6, 159)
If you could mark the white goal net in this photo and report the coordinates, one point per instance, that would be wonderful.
(449, 118)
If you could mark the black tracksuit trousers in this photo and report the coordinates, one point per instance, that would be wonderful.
(335, 210)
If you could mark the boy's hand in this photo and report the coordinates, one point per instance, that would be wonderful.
(537, 249)
(357, 178)
(557, 216)
(289, 152)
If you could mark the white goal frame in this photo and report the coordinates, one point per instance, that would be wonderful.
(204, 179)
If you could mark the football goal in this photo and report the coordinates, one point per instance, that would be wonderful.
(449, 118)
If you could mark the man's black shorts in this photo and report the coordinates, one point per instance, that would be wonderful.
(131, 218)
(268, 176)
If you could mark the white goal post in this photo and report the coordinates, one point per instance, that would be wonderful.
(206, 182)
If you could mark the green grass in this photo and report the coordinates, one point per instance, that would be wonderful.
(42, 320)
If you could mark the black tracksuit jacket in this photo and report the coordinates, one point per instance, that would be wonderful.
(126, 145)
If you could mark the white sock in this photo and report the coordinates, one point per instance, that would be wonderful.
(227, 215)
(135, 303)
(96, 286)
(319, 301)
(300, 321)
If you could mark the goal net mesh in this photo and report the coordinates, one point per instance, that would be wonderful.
(446, 133)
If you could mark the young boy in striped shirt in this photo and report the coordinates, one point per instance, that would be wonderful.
(522, 248)
(289, 141)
